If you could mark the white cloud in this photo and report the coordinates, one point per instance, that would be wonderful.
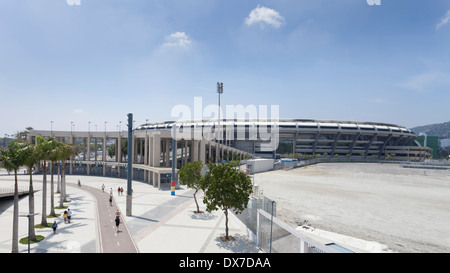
(177, 39)
(262, 15)
(425, 82)
(444, 20)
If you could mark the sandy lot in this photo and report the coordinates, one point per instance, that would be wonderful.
(408, 210)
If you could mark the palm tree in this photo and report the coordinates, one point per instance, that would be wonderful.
(33, 159)
(45, 148)
(12, 159)
(64, 151)
(54, 157)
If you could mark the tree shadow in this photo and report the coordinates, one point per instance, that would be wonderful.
(239, 244)
(205, 216)
(144, 218)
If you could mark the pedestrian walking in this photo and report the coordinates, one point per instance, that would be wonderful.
(65, 216)
(110, 200)
(118, 191)
(121, 191)
(117, 220)
(69, 215)
(110, 192)
(103, 188)
(54, 226)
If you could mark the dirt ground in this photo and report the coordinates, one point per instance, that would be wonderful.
(407, 210)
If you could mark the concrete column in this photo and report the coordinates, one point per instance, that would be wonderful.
(167, 154)
(217, 151)
(146, 150)
(119, 151)
(158, 178)
(154, 178)
(185, 152)
(202, 156)
(141, 152)
(89, 148)
(134, 152)
(88, 167)
(95, 148)
(104, 149)
(104, 155)
(182, 153)
(209, 152)
(195, 150)
(71, 157)
(156, 150)
(176, 154)
(150, 151)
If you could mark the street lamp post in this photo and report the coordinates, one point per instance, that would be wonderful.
(130, 165)
(29, 226)
(219, 91)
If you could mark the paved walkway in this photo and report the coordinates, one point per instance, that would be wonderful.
(111, 241)
(159, 222)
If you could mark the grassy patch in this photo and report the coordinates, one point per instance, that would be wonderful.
(24, 240)
(41, 226)
(63, 207)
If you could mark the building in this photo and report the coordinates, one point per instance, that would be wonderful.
(100, 153)
(310, 137)
(432, 142)
(152, 152)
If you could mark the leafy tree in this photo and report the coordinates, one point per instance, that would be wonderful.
(226, 188)
(124, 148)
(191, 176)
(111, 150)
(12, 158)
(22, 135)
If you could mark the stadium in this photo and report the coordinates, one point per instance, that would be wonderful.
(208, 141)
(310, 137)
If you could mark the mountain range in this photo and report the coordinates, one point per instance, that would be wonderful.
(438, 129)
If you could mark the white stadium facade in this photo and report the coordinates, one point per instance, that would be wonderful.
(311, 137)
(202, 140)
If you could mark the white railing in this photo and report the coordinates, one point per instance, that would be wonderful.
(274, 235)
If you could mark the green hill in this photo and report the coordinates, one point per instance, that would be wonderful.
(439, 129)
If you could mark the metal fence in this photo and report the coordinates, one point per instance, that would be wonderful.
(9, 191)
(271, 234)
(275, 236)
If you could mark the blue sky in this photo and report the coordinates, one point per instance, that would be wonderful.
(319, 59)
